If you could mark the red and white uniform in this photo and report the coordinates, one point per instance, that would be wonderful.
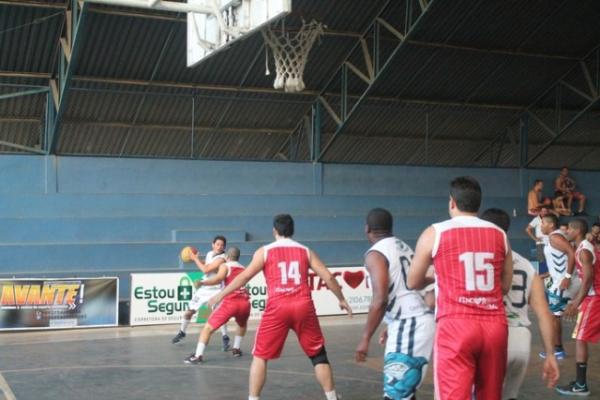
(234, 305)
(289, 303)
(471, 338)
(588, 319)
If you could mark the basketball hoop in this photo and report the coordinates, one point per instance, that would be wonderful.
(291, 53)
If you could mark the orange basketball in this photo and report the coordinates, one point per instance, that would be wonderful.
(186, 253)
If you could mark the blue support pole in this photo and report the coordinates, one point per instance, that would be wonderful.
(524, 139)
(315, 142)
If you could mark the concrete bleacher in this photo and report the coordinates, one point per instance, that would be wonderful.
(84, 221)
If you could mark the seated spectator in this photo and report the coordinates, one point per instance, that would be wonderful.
(595, 235)
(567, 186)
(536, 203)
(559, 205)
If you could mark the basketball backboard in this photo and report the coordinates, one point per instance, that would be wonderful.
(231, 20)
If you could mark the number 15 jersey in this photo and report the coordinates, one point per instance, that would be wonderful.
(468, 256)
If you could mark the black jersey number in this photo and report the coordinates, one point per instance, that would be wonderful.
(520, 288)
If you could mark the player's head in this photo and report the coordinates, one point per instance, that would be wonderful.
(564, 227)
(379, 223)
(233, 254)
(549, 224)
(498, 217)
(596, 228)
(283, 225)
(538, 184)
(465, 195)
(564, 171)
(218, 244)
(577, 229)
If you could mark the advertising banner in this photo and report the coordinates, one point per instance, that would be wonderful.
(162, 298)
(33, 303)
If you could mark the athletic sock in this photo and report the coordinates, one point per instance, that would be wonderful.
(581, 373)
(331, 395)
(558, 348)
(253, 398)
(200, 349)
(184, 325)
(237, 342)
(224, 330)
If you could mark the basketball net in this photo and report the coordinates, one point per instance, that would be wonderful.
(291, 53)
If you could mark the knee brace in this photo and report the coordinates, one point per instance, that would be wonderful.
(320, 358)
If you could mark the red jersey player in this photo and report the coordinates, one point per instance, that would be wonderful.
(473, 269)
(587, 301)
(235, 305)
(285, 264)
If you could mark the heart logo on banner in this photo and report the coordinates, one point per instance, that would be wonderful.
(354, 279)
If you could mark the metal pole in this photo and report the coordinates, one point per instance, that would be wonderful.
(524, 138)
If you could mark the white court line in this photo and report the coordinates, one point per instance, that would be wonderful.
(210, 367)
(8, 393)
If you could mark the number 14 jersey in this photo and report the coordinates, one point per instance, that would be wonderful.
(286, 270)
(468, 256)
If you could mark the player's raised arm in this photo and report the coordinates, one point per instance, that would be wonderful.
(207, 268)
(537, 301)
(256, 265)
(377, 265)
(417, 274)
(320, 269)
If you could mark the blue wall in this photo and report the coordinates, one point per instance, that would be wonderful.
(107, 216)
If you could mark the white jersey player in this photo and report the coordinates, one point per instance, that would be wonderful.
(411, 325)
(209, 267)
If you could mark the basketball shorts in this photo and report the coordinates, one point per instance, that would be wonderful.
(519, 348)
(588, 320)
(469, 356)
(238, 308)
(202, 295)
(407, 353)
(279, 317)
(558, 299)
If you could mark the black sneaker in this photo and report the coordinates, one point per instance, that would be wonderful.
(236, 352)
(192, 359)
(573, 389)
(180, 335)
(225, 346)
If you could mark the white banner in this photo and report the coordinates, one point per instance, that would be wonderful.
(163, 297)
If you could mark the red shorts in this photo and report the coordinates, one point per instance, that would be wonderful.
(238, 308)
(469, 354)
(588, 320)
(282, 315)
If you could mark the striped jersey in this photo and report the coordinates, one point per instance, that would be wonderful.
(556, 260)
(286, 270)
(402, 302)
(516, 301)
(468, 257)
(586, 245)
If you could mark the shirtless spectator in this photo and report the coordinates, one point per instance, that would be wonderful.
(536, 203)
(560, 208)
(566, 185)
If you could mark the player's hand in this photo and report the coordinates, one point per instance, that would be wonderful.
(570, 312)
(383, 336)
(197, 284)
(362, 351)
(565, 283)
(345, 306)
(550, 373)
(195, 256)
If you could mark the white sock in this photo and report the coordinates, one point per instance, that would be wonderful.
(237, 342)
(184, 324)
(200, 349)
(253, 398)
(331, 395)
(224, 330)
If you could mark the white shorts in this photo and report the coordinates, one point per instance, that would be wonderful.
(202, 295)
(519, 348)
(408, 347)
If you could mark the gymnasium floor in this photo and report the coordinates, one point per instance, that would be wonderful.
(141, 363)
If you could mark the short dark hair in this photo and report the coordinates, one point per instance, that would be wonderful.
(537, 181)
(284, 225)
(220, 237)
(380, 220)
(552, 218)
(579, 224)
(596, 224)
(466, 192)
(497, 217)
(563, 224)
